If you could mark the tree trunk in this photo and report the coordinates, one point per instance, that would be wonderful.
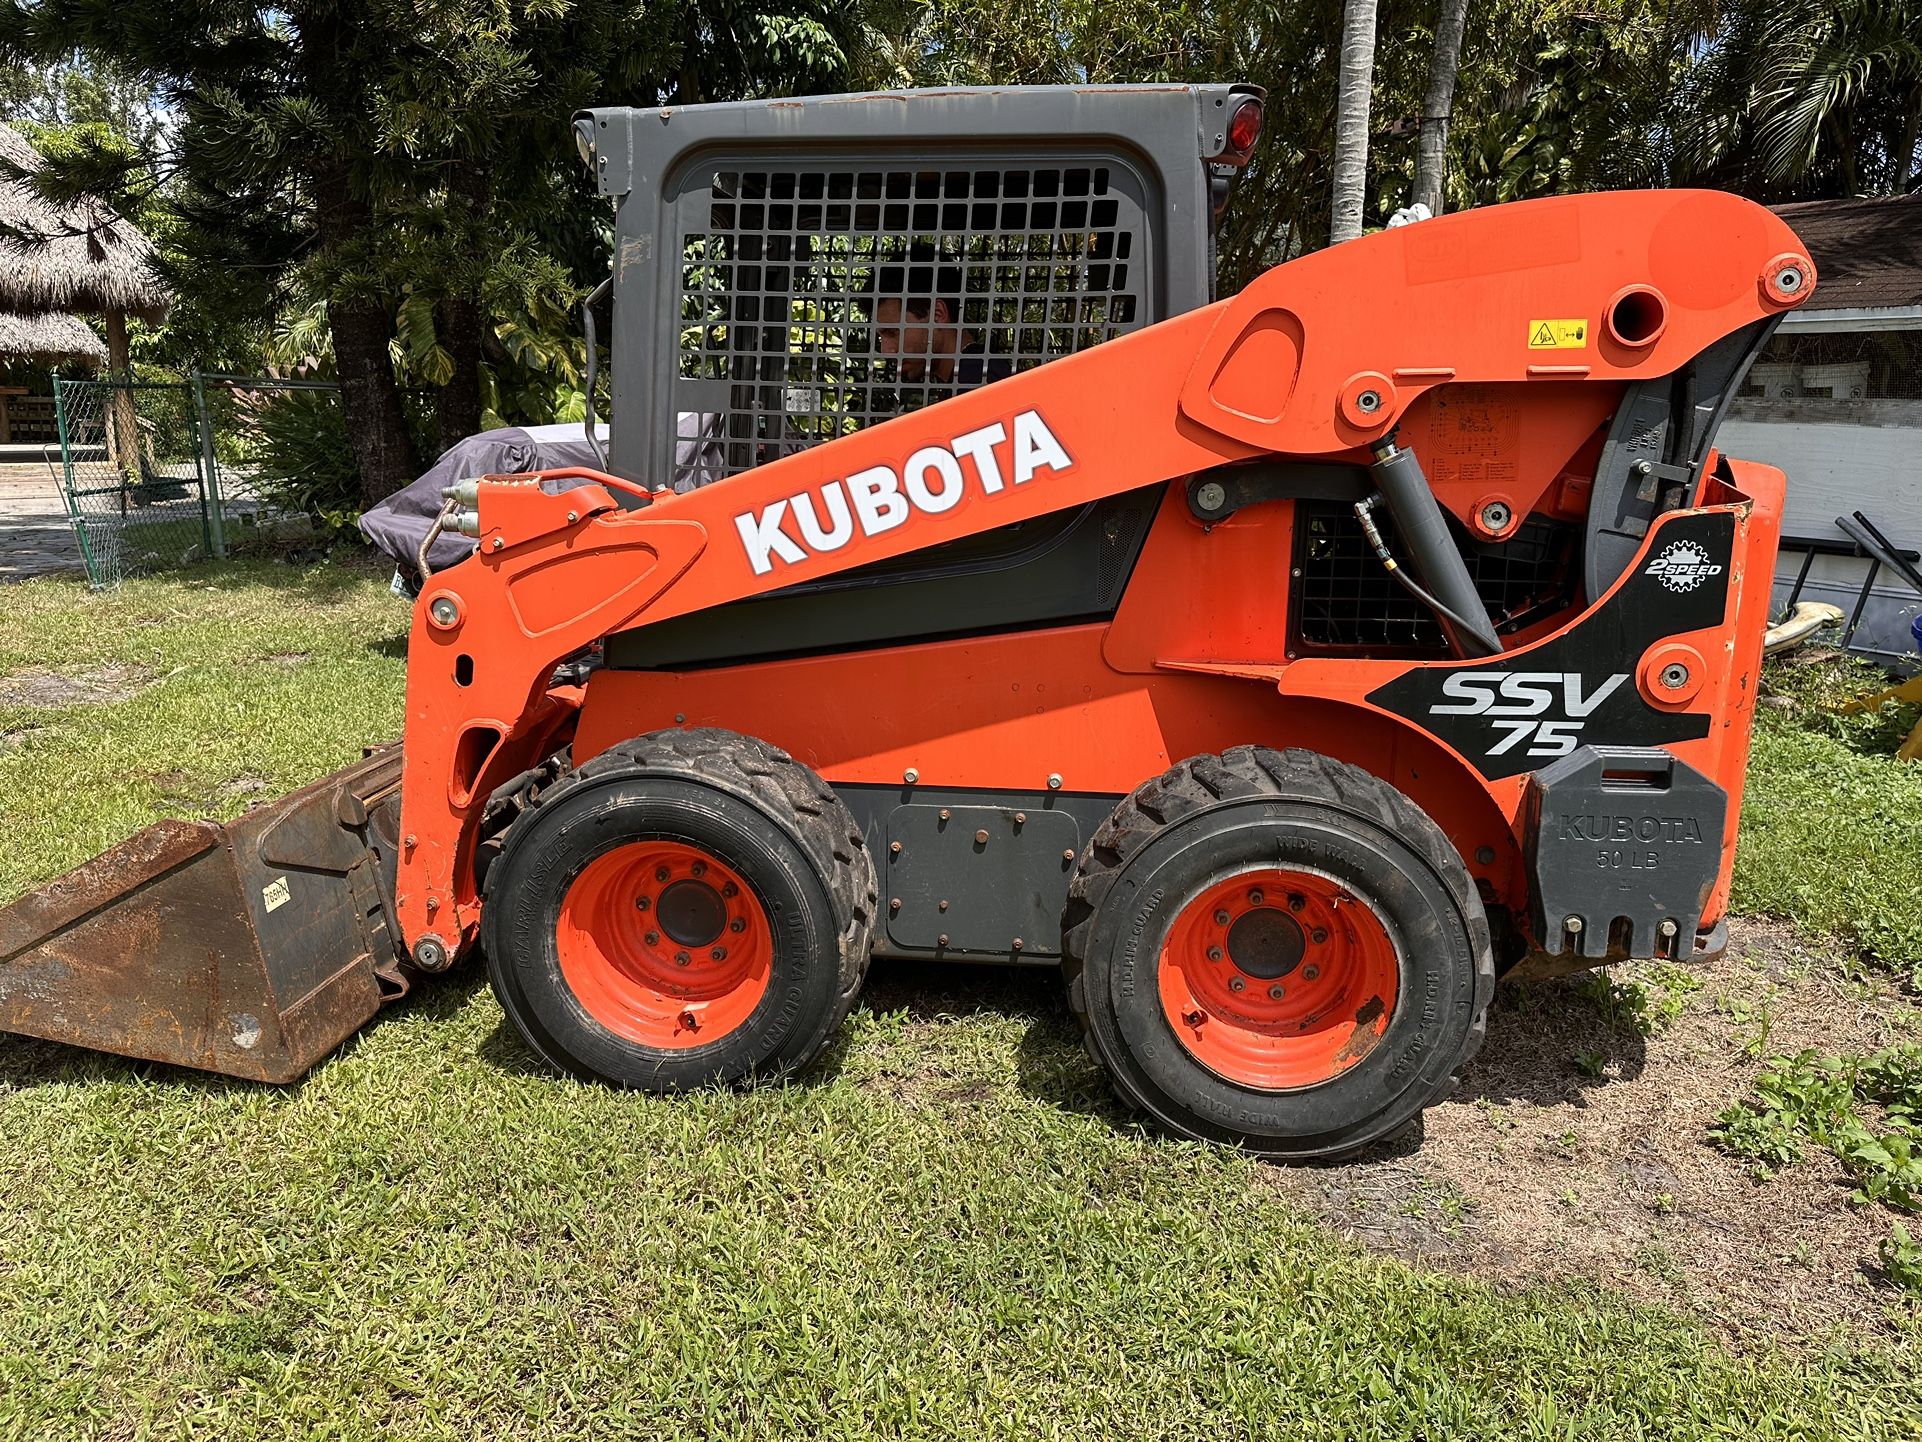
(123, 427)
(1351, 118)
(377, 429)
(376, 425)
(1431, 143)
(1907, 174)
(457, 405)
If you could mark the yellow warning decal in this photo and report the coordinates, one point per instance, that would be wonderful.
(1557, 334)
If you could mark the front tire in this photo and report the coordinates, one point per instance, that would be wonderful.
(692, 907)
(1278, 951)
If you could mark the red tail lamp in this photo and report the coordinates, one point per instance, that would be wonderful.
(1244, 127)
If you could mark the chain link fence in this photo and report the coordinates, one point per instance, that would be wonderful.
(156, 475)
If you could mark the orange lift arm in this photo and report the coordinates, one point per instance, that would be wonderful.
(1319, 358)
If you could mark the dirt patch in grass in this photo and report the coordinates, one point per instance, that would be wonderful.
(45, 689)
(1577, 1148)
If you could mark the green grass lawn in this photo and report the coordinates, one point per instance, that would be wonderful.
(946, 1231)
(1832, 827)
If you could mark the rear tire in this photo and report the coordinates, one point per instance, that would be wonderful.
(691, 907)
(1278, 951)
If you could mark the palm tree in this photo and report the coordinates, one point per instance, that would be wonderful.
(1431, 143)
(1351, 118)
(1816, 100)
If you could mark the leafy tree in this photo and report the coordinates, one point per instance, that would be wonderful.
(406, 165)
(1791, 101)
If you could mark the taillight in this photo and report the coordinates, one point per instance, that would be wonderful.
(1244, 127)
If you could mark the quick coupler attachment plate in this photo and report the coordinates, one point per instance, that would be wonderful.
(1624, 845)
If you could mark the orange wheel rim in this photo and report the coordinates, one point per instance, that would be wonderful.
(1277, 979)
(664, 944)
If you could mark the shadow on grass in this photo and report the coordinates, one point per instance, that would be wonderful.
(1547, 1042)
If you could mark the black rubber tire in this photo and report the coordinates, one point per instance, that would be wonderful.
(770, 818)
(1211, 816)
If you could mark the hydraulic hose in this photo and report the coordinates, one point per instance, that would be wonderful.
(1364, 513)
(1445, 584)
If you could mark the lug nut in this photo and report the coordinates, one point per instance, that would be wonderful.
(653, 938)
(738, 925)
(1311, 972)
(1235, 983)
(699, 868)
(1221, 918)
(1191, 1018)
(681, 958)
(728, 888)
(718, 954)
(661, 873)
(641, 903)
(1276, 993)
(1296, 901)
(1254, 897)
(1214, 953)
(1318, 935)
(690, 1021)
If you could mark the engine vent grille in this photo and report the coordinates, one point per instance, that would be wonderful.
(1344, 601)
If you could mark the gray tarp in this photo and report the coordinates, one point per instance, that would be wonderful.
(399, 524)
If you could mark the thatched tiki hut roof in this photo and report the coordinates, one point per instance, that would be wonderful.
(50, 337)
(72, 257)
(59, 259)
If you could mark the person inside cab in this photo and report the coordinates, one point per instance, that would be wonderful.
(917, 323)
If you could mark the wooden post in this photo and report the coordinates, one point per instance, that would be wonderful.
(123, 434)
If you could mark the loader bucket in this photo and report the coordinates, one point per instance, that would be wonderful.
(250, 949)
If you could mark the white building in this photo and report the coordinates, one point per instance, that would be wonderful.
(1836, 402)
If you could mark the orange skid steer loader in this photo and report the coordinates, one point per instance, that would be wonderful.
(965, 582)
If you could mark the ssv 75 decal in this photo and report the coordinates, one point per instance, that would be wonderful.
(1507, 697)
(934, 479)
(1509, 714)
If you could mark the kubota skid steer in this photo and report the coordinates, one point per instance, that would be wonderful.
(1283, 667)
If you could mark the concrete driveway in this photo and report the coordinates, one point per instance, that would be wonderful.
(36, 538)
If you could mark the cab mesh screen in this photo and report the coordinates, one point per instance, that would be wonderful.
(817, 300)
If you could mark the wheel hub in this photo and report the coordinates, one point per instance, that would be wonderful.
(692, 912)
(664, 944)
(1266, 943)
(1278, 979)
